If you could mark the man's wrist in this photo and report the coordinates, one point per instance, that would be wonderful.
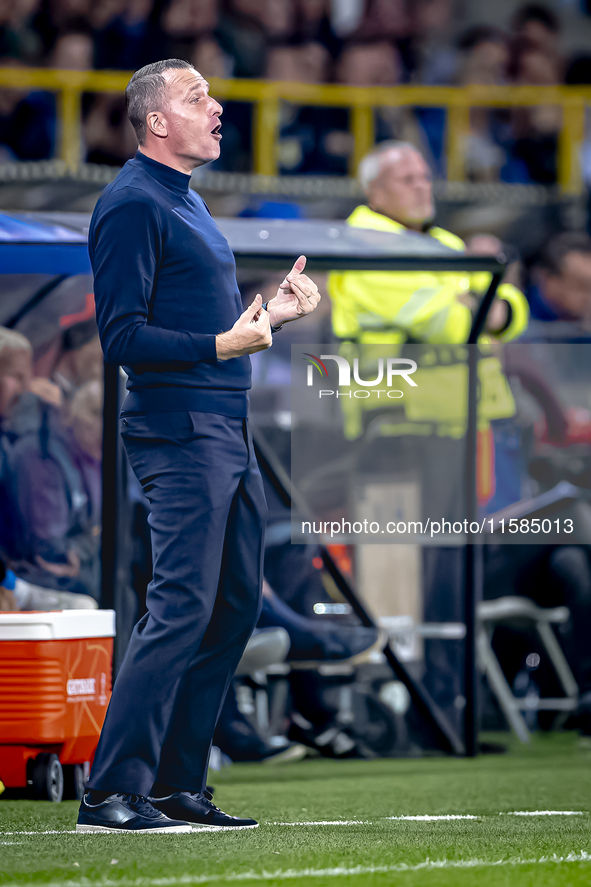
(274, 329)
(223, 345)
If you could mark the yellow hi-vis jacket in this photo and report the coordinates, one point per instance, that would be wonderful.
(392, 307)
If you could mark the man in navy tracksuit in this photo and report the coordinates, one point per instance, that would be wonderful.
(169, 311)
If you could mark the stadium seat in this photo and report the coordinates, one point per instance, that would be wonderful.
(521, 612)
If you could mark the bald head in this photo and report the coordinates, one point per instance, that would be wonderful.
(397, 182)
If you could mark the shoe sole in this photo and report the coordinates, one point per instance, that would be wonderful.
(221, 828)
(357, 659)
(105, 830)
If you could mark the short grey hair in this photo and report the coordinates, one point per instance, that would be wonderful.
(371, 165)
(13, 341)
(146, 91)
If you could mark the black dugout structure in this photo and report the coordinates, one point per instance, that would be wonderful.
(53, 246)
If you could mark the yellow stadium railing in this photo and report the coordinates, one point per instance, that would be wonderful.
(266, 97)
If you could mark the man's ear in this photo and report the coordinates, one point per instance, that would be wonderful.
(374, 195)
(156, 124)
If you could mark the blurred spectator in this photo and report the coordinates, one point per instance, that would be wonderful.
(122, 33)
(433, 59)
(316, 638)
(538, 25)
(18, 413)
(101, 14)
(73, 49)
(108, 134)
(80, 359)
(485, 59)
(383, 19)
(241, 36)
(17, 594)
(303, 63)
(16, 371)
(560, 287)
(241, 33)
(318, 139)
(58, 493)
(485, 56)
(377, 62)
(431, 17)
(56, 16)
(209, 58)
(15, 376)
(372, 62)
(313, 24)
(280, 20)
(535, 129)
(27, 122)
(183, 23)
(18, 38)
(312, 139)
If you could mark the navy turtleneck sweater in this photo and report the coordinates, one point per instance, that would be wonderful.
(165, 286)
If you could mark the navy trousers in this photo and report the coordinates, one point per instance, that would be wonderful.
(207, 520)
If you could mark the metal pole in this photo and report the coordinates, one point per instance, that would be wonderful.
(473, 557)
(473, 560)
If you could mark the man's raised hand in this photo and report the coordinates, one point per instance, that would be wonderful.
(297, 296)
(250, 333)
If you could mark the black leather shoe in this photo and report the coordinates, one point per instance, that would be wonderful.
(197, 808)
(126, 813)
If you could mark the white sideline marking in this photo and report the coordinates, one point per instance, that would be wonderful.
(427, 818)
(545, 813)
(51, 832)
(341, 871)
(327, 822)
(446, 817)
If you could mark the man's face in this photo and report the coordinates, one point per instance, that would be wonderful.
(570, 291)
(403, 189)
(73, 52)
(191, 117)
(377, 64)
(15, 377)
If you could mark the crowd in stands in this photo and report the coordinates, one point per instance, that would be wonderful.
(363, 43)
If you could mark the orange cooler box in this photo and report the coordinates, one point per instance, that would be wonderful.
(55, 685)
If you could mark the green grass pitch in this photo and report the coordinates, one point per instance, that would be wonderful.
(365, 847)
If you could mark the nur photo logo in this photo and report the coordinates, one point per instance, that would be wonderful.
(390, 371)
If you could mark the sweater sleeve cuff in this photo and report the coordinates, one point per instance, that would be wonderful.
(205, 347)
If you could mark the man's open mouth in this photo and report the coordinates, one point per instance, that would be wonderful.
(216, 130)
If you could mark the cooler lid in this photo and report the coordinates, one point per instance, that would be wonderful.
(57, 625)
